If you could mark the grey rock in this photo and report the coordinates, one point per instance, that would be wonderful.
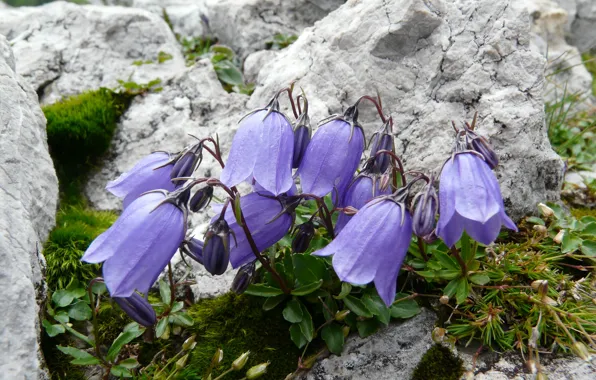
(255, 62)
(64, 49)
(433, 62)
(28, 198)
(583, 27)
(392, 353)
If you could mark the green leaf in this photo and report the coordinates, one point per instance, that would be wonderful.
(297, 337)
(346, 288)
(333, 336)
(62, 298)
(307, 289)
(446, 261)
(570, 243)
(404, 309)
(120, 371)
(451, 287)
(52, 330)
(182, 319)
(76, 289)
(463, 289)
(261, 290)
(124, 338)
(129, 363)
(449, 274)
(80, 311)
(376, 305)
(307, 269)
(80, 357)
(535, 220)
(480, 279)
(164, 292)
(306, 325)
(466, 248)
(427, 274)
(62, 316)
(272, 302)
(177, 307)
(357, 306)
(228, 73)
(589, 248)
(589, 229)
(367, 327)
(99, 288)
(161, 327)
(293, 311)
(224, 50)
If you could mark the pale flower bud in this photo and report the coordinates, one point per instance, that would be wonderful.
(341, 315)
(181, 362)
(540, 229)
(444, 300)
(240, 362)
(545, 210)
(257, 371)
(559, 238)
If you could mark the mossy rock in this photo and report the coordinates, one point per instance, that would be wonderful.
(237, 324)
(76, 227)
(579, 213)
(439, 363)
(80, 130)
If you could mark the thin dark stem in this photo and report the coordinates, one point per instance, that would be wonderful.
(421, 248)
(94, 322)
(323, 212)
(377, 105)
(289, 91)
(396, 160)
(172, 285)
(462, 263)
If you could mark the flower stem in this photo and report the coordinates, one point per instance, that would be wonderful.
(462, 263)
(421, 248)
(172, 285)
(94, 322)
(223, 374)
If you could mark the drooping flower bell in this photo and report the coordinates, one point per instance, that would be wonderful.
(267, 219)
(150, 173)
(138, 246)
(304, 234)
(193, 248)
(302, 133)
(216, 249)
(243, 278)
(263, 148)
(364, 187)
(382, 140)
(333, 155)
(186, 164)
(425, 205)
(138, 309)
(470, 198)
(201, 199)
(373, 245)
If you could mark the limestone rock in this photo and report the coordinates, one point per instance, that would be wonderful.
(392, 353)
(28, 198)
(255, 62)
(433, 62)
(64, 49)
(583, 26)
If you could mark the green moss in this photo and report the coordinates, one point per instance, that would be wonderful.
(80, 129)
(237, 324)
(438, 363)
(76, 227)
(590, 63)
(578, 213)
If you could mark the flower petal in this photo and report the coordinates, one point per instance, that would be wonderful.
(484, 233)
(450, 230)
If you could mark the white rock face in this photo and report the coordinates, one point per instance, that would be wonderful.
(255, 62)
(433, 62)
(392, 353)
(64, 49)
(28, 197)
(583, 26)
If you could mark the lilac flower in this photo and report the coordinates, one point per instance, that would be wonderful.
(372, 246)
(363, 188)
(266, 220)
(425, 210)
(382, 140)
(263, 148)
(136, 248)
(332, 156)
(244, 277)
(470, 200)
(150, 173)
(193, 248)
(138, 309)
(216, 250)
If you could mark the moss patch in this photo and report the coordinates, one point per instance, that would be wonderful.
(237, 324)
(80, 129)
(439, 363)
(579, 213)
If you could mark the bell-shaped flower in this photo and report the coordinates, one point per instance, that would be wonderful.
(267, 222)
(372, 246)
(304, 235)
(150, 173)
(244, 277)
(187, 162)
(382, 140)
(193, 248)
(470, 200)
(216, 249)
(138, 246)
(332, 156)
(361, 190)
(138, 309)
(302, 134)
(426, 205)
(262, 148)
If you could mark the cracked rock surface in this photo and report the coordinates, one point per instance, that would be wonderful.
(432, 62)
(64, 49)
(28, 198)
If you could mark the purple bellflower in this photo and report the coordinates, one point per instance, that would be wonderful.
(372, 246)
(470, 198)
(150, 173)
(266, 219)
(426, 205)
(138, 246)
(138, 309)
(263, 148)
(332, 156)
(382, 140)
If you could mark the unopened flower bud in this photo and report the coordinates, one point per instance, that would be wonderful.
(240, 362)
(216, 251)
(341, 315)
(559, 237)
(540, 229)
(385, 181)
(545, 210)
(581, 350)
(201, 199)
(193, 248)
(301, 141)
(381, 141)
(444, 300)
(438, 335)
(346, 331)
(138, 309)
(180, 363)
(539, 285)
(257, 371)
(425, 210)
(187, 163)
(481, 145)
(350, 210)
(304, 234)
(189, 343)
(243, 278)
(217, 358)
